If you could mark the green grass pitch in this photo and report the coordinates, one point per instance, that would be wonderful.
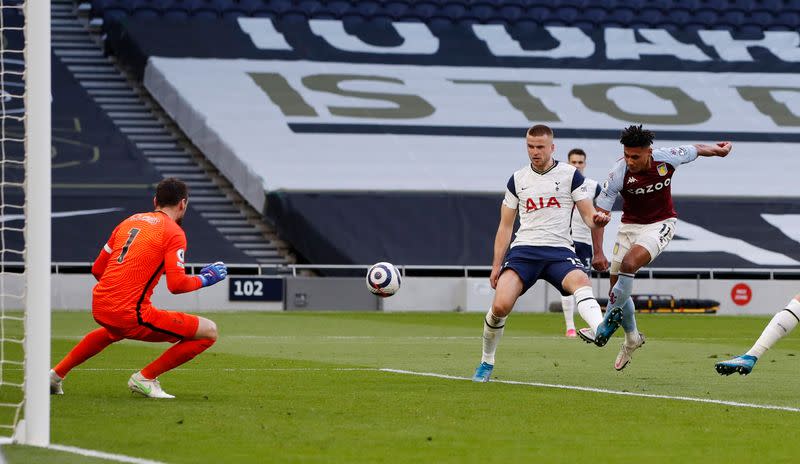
(305, 388)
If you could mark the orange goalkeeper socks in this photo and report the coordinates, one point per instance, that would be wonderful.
(94, 342)
(180, 353)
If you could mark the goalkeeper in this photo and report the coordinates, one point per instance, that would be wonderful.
(142, 248)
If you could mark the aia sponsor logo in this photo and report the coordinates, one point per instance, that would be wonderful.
(531, 204)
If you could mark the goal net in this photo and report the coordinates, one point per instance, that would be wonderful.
(25, 221)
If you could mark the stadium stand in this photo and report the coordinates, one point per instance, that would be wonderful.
(338, 119)
(110, 149)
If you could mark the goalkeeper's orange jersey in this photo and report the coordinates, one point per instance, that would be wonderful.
(141, 248)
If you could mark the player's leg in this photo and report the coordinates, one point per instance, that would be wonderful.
(565, 272)
(568, 308)
(781, 325)
(193, 335)
(622, 276)
(509, 288)
(647, 242)
(584, 253)
(577, 283)
(91, 344)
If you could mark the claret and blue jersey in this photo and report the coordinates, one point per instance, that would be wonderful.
(647, 195)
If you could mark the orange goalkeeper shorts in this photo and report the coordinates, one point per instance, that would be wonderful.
(151, 325)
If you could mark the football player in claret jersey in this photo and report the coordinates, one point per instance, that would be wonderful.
(581, 236)
(642, 177)
(543, 193)
(142, 248)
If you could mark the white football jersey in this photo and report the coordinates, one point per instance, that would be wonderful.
(580, 231)
(544, 202)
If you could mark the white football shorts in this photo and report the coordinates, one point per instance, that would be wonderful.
(653, 237)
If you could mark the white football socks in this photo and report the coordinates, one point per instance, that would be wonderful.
(492, 332)
(780, 326)
(588, 307)
(568, 306)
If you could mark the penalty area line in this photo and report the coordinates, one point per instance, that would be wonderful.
(603, 390)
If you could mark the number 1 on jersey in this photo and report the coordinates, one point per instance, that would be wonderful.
(131, 237)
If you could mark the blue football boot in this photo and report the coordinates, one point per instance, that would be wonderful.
(606, 329)
(743, 364)
(483, 372)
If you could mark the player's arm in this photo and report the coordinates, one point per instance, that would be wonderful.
(101, 262)
(501, 241)
(599, 260)
(508, 211)
(720, 149)
(174, 267)
(584, 201)
(593, 218)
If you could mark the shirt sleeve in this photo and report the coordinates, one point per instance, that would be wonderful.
(174, 267)
(511, 199)
(101, 262)
(676, 155)
(580, 191)
(612, 186)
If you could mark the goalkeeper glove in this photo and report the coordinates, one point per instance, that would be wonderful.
(213, 273)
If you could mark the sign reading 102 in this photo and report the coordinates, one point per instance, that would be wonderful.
(255, 289)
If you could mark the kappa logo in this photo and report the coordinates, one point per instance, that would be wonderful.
(631, 180)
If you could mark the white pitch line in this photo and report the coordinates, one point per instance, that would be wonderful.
(603, 390)
(102, 455)
(89, 453)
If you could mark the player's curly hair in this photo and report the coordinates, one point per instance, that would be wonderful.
(636, 136)
(170, 192)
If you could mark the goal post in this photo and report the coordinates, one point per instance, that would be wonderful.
(37, 223)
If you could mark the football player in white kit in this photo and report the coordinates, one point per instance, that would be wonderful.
(544, 193)
(780, 326)
(581, 236)
(642, 177)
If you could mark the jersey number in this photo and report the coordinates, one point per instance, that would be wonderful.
(131, 237)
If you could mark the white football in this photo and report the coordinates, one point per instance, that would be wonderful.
(383, 279)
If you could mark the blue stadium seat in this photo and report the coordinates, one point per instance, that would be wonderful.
(733, 18)
(678, 16)
(367, 8)
(278, 7)
(396, 9)
(481, 12)
(424, 9)
(762, 18)
(146, 12)
(176, 14)
(650, 17)
(690, 5)
(621, 16)
(539, 14)
(338, 8)
(705, 17)
(567, 15)
(788, 19)
(511, 13)
(595, 16)
(452, 11)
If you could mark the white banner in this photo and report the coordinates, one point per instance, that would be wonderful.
(254, 118)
